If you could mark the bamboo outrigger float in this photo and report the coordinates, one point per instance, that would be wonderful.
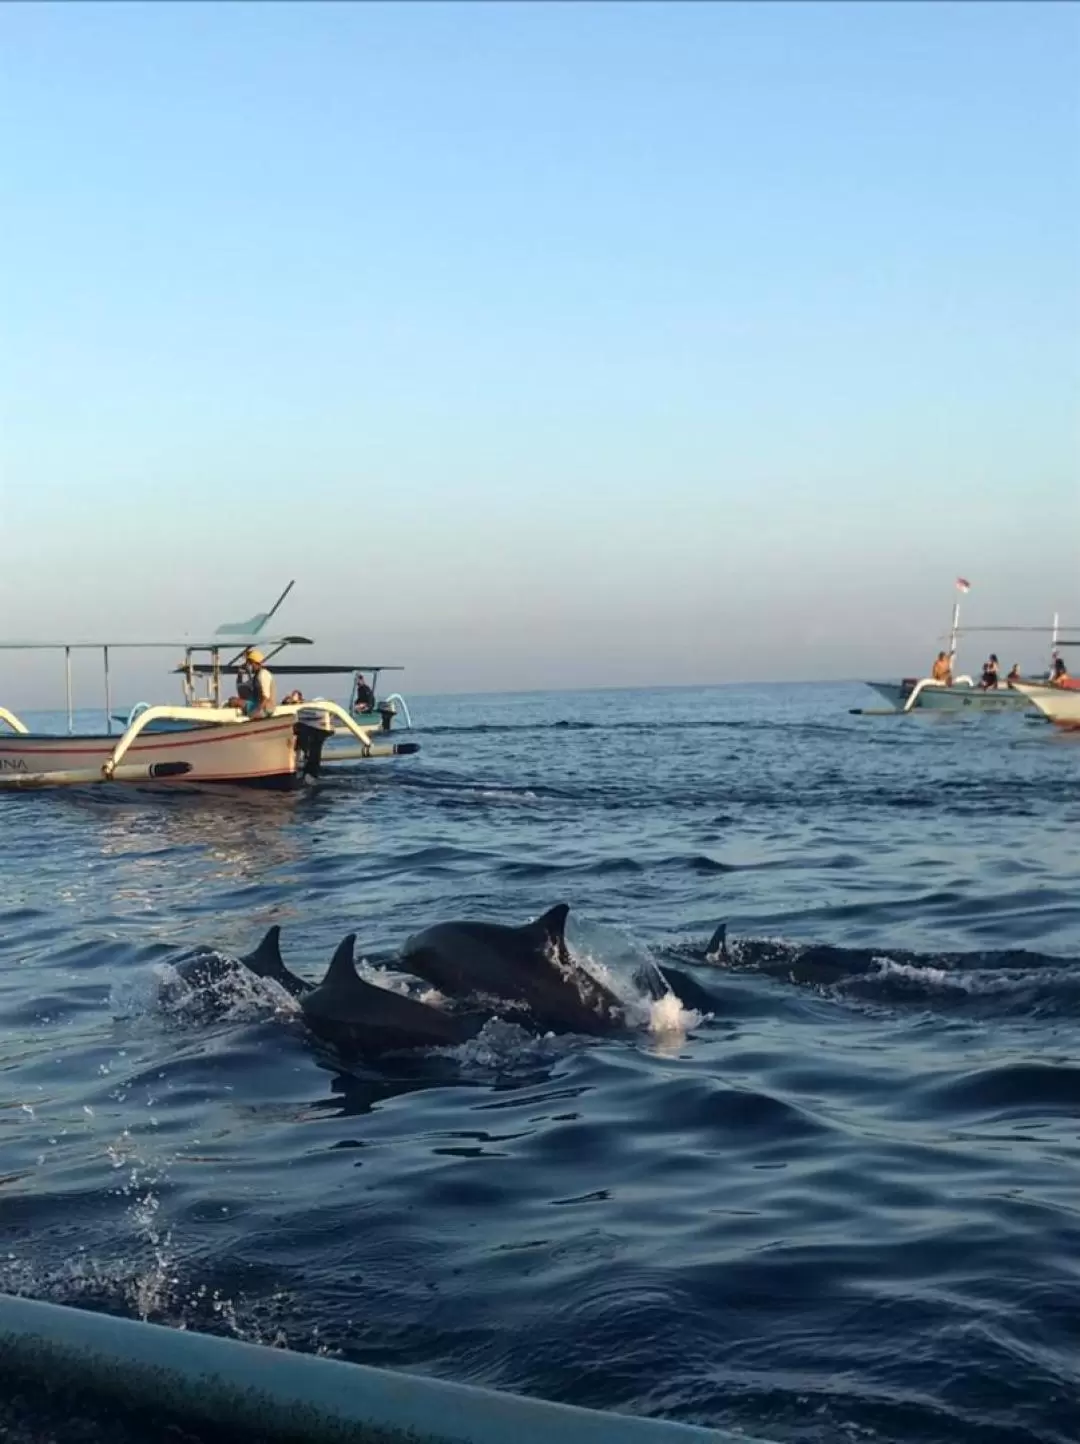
(198, 741)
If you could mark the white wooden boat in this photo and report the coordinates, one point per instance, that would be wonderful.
(964, 693)
(262, 753)
(1058, 704)
(198, 741)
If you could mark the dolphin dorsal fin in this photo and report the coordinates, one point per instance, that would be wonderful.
(270, 947)
(717, 945)
(342, 967)
(552, 924)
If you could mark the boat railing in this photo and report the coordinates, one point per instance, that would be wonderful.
(334, 709)
(165, 713)
(924, 682)
(10, 720)
(919, 688)
(397, 697)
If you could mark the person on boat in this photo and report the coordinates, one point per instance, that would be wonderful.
(262, 701)
(293, 699)
(1059, 677)
(364, 701)
(989, 680)
(942, 670)
(1014, 673)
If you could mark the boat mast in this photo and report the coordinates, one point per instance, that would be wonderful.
(962, 585)
(954, 629)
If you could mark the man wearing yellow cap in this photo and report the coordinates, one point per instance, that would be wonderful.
(261, 701)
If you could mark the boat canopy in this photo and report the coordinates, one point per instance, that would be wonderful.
(300, 669)
(185, 644)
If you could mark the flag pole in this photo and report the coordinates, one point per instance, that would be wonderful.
(962, 585)
(955, 628)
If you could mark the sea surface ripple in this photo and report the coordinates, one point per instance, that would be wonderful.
(845, 1205)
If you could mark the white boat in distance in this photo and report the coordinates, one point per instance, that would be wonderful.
(964, 693)
(1059, 702)
(199, 741)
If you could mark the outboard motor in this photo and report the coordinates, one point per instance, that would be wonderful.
(387, 711)
(313, 728)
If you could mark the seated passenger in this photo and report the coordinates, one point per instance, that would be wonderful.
(989, 680)
(942, 670)
(1014, 673)
(1060, 676)
(364, 700)
(293, 699)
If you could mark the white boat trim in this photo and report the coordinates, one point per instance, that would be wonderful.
(274, 1394)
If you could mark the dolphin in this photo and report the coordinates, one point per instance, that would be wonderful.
(530, 965)
(206, 969)
(356, 1015)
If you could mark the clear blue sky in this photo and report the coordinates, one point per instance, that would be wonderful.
(543, 344)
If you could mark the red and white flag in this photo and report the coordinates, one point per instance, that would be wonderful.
(962, 585)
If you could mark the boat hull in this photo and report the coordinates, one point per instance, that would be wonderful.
(251, 754)
(1061, 705)
(950, 699)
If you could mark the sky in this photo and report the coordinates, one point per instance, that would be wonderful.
(544, 345)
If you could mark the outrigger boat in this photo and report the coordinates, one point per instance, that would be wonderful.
(200, 741)
(963, 693)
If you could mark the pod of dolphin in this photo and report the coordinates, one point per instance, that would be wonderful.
(482, 968)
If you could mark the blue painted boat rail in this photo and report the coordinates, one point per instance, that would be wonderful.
(277, 1394)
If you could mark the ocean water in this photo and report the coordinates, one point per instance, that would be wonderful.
(836, 1197)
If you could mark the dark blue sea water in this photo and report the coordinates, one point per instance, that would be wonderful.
(845, 1206)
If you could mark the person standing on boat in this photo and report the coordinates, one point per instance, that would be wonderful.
(989, 679)
(262, 701)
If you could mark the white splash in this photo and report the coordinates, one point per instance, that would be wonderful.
(626, 968)
(503, 1047)
(238, 996)
(398, 983)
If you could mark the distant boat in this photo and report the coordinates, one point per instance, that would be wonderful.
(963, 693)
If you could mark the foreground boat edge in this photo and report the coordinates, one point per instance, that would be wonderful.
(278, 1394)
